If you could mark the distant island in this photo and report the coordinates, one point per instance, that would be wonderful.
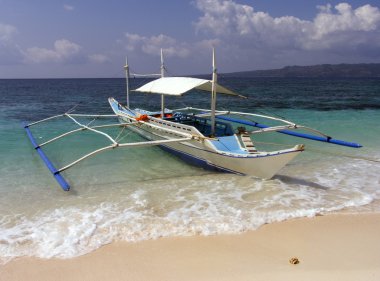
(318, 71)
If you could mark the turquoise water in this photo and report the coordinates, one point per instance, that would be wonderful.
(139, 194)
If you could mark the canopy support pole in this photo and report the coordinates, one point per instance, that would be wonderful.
(213, 93)
(162, 75)
(126, 68)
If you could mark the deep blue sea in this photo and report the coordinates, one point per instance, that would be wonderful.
(145, 193)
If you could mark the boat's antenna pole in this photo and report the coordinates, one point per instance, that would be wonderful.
(162, 75)
(126, 68)
(213, 93)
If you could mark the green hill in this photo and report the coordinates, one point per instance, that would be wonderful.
(322, 71)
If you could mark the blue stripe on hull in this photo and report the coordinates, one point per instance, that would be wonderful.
(190, 159)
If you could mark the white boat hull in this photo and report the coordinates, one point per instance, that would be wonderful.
(202, 153)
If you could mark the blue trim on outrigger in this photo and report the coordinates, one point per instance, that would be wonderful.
(295, 134)
(62, 182)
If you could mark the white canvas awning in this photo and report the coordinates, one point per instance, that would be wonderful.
(176, 86)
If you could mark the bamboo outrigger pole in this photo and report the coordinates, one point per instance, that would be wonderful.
(62, 182)
(114, 144)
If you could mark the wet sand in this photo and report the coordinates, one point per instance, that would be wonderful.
(332, 247)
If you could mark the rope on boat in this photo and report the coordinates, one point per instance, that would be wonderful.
(117, 137)
(123, 137)
(145, 75)
(272, 143)
(92, 121)
(73, 108)
(120, 137)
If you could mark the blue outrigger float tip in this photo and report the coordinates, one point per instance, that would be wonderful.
(62, 182)
(295, 134)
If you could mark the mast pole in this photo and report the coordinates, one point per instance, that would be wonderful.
(213, 93)
(162, 75)
(126, 68)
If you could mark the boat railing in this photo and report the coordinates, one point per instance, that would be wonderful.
(174, 126)
(220, 112)
(204, 124)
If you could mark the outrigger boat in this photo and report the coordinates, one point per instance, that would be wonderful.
(204, 137)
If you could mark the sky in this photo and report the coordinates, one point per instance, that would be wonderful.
(91, 38)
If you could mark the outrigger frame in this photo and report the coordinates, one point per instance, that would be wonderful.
(284, 129)
(114, 144)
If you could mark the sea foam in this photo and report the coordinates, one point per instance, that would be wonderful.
(184, 206)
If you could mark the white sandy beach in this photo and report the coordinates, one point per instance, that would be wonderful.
(333, 247)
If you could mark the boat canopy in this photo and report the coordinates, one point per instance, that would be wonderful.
(176, 86)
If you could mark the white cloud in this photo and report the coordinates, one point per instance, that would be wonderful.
(331, 29)
(152, 45)
(207, 44)
(365, 18)
(10, 52)
(63, 50)
(6, 32)
(68, 7)
(98, 58)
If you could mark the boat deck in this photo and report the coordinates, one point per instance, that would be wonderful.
(202, 124)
